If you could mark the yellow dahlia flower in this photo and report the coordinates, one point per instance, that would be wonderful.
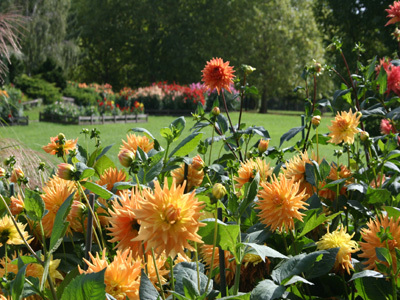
(279, 202)
(9, 233)
(373, 241)
(249, 169)
(195, 173)
(123, 224)
(169, 218)
(339, 238)
(344, 127)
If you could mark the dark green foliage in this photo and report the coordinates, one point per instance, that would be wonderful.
(53, 73)
(82, 96)
(35, 88)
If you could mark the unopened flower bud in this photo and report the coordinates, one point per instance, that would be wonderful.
(315, 121)
(126, 157)
(317, 67)
(61, 138)
(215, 111)
(218, 191)
(263, 145)
(364, 136)
(248, 69)
(17, 174)
(66, 171)
(2, 172)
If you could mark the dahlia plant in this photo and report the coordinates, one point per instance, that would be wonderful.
(251, 224)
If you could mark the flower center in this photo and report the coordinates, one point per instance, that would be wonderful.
(172, 214)
(342, 124)
(392, 244)
(135, 225)
(4, 236)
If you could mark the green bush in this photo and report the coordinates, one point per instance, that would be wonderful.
(35, 88)
(10, 103)
(82, 96)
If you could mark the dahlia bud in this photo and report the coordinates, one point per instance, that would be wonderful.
(61, 138)
(126, 157)
(218, 191)
(315, 121)
(17, 174)
(317, 67)
(248, 69)
(66, 171)
(16, 205)
(197, 163)
(215, 111)
(263, 145)
(2, 172)
(364, 136)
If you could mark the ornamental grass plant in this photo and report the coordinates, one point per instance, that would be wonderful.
(250, 223)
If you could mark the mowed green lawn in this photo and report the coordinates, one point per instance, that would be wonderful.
(38, 134)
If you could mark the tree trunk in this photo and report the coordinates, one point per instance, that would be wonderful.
(264, 102)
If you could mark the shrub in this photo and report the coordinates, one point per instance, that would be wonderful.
(35, 87)
(83, 96)
(10, 103)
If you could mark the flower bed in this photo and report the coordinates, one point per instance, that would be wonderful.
(11, 107)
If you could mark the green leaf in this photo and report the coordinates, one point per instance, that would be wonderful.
(366, 273)
(384, 255)
(84, 171)
(177, 126)
(187, 145)
(290, 134)
(144, 131)
(322, 266)
(60, 225)
(34, 205)
(146, 290)
(186, 272)
(251, 193)
(103, 164)
(297, 278)
(86, 286)
(67, 279)
(324, 169)
(314, 219)
(239, 296)
(267, 290)
(223, 124)
(322, 139)
(155, 169)
(378, 196)
(17, 287)
(265, 251)
(393, 212)
(382, 81)
(97, 189)
(189, 288)
(227, 235)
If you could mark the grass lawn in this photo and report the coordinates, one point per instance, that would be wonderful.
(38, 134)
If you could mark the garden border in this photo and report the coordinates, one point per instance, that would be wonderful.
(80, 120)
(24, 121)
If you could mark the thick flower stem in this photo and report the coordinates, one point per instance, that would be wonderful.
(197, 266)
(157, 273)
(211, 143)
(171, 263)
(312, 112)
(242, 99)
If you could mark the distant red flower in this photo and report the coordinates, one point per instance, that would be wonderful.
(387, 127)
(393, 80)
(385, 64)
(393, 13)
(218, 74)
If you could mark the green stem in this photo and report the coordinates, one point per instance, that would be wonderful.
(6, 259)
(316, 136)
(214, 244)
(157, 273)
(197, 266)
(211, 144)
(238, 259)
(171, 263)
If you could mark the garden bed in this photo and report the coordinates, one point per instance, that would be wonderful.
(169, 112)
(67, 119)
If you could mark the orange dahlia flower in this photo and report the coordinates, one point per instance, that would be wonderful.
(55, 192)
(230, 262)
(122, 275)
(217, 74)
(124, 226)
(393, 13)
(344, 127)
(335, 173)
(249, 169)
(372, 240)
(60, 146)
(134, 141)
(111, 176)
(195, 173)
(279, 202)
(169, 218)
(339, 239)
(296, 169)
(17, 174)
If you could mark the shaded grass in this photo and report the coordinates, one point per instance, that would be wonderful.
(38, 134)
